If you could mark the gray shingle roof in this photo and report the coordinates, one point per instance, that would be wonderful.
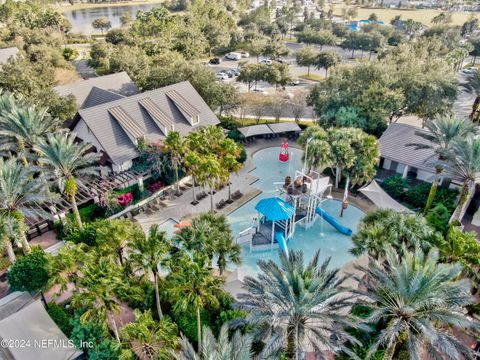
(7, 53)
(115, 140)
(99, 96)
(395, 144)
(282, 127)
(254, 130)
(119, 83)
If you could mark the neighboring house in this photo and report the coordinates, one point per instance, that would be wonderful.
(27, 331)
(99, 90)
(397, 153)
(114, 127)
(356, 25)
(7, 53)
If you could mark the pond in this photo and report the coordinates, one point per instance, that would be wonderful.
(82, 19)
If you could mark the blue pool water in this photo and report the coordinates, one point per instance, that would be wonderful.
(321, 235)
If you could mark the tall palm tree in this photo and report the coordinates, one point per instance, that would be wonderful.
(150, 339)
(443, 132)
(175, 146)
(67, 164)
(193, 286)
(21, 194)
(463, 163)
(382, 227)
(294, 305)
(148, 253)
(238, 348)
(22, 126)
(419, 300)
(8, 234)
(230, 151)
(98, 287)
(211, 173)
(192, 163)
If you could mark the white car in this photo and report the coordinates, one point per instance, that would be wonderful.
(233, 56)
(222, 76)
(244, 54)
(470, 70)
(266, 61)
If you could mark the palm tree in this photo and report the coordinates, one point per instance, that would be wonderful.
(98, 287)
(418, 299)
(443, 132)
(210, 234)
(463, 163)
(8, 233)
(229, 155)
(211, 173)
(67, 164)
(175, 146)
(150, 339)
(115, 235)
(148, 253)
(192, 162)
(239, 348)
(382, 227)
(22, 126)
(193, 286)
(296, 305)
(21, 193)
(66, 266)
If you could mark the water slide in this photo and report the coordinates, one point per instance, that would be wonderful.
(282, 242)
(329, 218)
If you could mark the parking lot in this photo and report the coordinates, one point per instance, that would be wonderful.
(296, 71)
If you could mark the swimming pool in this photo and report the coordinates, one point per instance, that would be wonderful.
(321, 235)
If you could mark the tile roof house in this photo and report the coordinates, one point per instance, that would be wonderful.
(398, 153)
(114, 127)
(99, 90)
(7, 53)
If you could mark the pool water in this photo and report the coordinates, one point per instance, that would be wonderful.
(169, 227)
(321, 235)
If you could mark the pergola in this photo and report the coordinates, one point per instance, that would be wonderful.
(284, 127)
(255, 130)
(92, 190)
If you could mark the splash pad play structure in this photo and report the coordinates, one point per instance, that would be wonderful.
(297, 202)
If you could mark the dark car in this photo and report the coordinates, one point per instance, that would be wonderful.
(215, 61)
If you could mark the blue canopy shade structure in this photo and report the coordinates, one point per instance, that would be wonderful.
(275, 209)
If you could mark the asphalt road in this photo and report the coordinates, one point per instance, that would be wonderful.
(463, 105)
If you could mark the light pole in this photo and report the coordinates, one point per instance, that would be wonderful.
(306, 154)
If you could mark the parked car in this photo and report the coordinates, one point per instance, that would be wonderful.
(236, 72)
(215, 61)
(266, 61)
(470, 70)
(222, 76)
(259, 91)
(233, 56)
(230, 73)
(295, 82)
(244, 54)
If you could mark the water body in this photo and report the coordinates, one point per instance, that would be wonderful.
(82, 19)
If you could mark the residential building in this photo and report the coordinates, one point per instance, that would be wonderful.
(98, 90)
(399, 153)
(114, 127)
(27, 331)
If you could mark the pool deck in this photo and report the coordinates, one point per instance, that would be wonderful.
(180, 207)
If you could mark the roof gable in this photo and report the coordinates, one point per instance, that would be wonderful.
(118, 83)
(150, 111)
